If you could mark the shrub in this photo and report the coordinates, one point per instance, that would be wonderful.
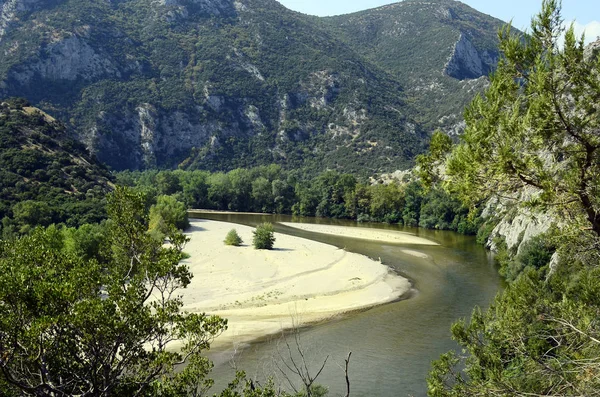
(263, 237)
(485, 231)
(233, 238)
(535, 253)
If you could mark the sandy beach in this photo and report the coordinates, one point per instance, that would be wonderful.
(364, 233)
(299, 282)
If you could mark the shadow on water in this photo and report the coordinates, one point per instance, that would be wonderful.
(392, 345)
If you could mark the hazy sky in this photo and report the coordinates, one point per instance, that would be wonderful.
(585, 12)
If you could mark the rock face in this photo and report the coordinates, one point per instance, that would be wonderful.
(520, 229)
(466, 62)
(516, 225)
(69, 59)
(216, 8)
(592, 50)
(9, 9)
(438, 49)
(147, 138)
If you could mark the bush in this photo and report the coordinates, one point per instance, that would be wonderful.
(233, 238)
(485, 231)
(535, 253)
(263, 237)
(172, 211)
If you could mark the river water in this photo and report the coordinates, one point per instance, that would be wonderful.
(392, 345)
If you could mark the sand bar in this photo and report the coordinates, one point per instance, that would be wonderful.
(260, 292)
(364, 233)
(220, 212)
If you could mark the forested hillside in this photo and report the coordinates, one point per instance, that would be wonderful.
(221, 84)
(211, 84)
(45, 175)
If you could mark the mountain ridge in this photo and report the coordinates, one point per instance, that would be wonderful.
(213, 84)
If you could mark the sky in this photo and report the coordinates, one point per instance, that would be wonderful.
(585, 13)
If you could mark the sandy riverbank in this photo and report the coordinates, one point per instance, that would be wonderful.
(260, 292)
(364, 233)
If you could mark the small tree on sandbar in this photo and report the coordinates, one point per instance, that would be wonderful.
(264, 237)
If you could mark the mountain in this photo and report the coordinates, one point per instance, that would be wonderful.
(219, 84)
(442, 51)
(45, 175)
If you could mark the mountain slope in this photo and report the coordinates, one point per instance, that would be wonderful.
(439, 50)
(211, 83)
(220, 84)
(45, 175)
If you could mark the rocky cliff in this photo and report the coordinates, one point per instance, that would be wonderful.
(466, 61)
(514, 225)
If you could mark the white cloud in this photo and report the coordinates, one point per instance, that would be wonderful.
(591, 30)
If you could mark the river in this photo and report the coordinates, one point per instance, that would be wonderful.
(392, 345)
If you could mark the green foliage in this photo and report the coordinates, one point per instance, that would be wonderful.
(440, 211)
(263, 237)
(233, 238)
(439, 147)
(315, 391)
(535, 254)
(329, 194)
(485, 231)
(87, 241)
(45, 176)
(31, 213)
(168, 213)
(172, 211)
(413, 200)
(535, 127)
(536, 337)
(80, 314)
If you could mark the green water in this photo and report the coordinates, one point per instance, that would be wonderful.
(392, 345)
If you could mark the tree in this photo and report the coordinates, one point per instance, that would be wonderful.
(262, 194)
(537, 125)
(537, 339)
(241, 189)
(167, 182)
(413, 197)
(29, 214)
(233, 238)
(70, 326)
(263, 237)
(428, 163)
(172, 211)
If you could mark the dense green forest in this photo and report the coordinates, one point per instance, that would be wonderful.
(270, 189)
(45, 175)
